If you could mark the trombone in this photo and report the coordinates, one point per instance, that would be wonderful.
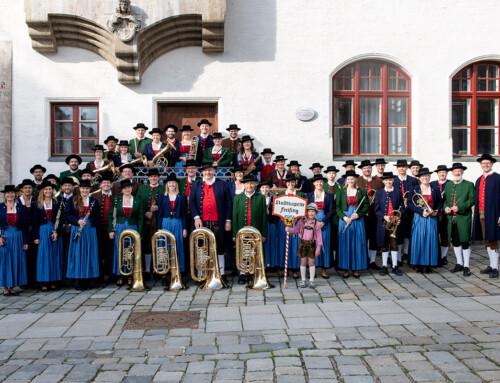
(129, 258)
(250, 256)
(165, 260)
(204, 260)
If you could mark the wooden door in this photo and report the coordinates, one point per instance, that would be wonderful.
(179, 114)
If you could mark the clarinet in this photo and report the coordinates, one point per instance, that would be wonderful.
(114, 215)
(58, 216)
(355, 211)
(85, 219)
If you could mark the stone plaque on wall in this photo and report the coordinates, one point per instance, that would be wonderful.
(5, 112)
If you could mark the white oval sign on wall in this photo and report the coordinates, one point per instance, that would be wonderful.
(305, 113)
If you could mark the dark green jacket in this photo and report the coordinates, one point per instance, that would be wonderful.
(465, 198)
(136, 217)
(336, 189)
(341, 202)
(258, 212)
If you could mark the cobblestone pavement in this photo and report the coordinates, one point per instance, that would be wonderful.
(415, 328)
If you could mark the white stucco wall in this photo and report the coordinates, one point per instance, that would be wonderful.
(279, 55)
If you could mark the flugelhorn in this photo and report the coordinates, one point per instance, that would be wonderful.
(141, 160)
(421, 202)
(129, 258)
(250, 256)
(165, 260)
(204, 260)
(394, 221)
(159, 159)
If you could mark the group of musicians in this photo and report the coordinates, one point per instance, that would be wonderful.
(65, 230)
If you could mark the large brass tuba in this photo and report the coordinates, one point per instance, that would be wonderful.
(204, 260)
(110, 167)
(129, 258)
(250, 257)
(421, 202)
(159, 159)
(165, 260)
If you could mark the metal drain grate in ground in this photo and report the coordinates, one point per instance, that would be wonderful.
(162, 320)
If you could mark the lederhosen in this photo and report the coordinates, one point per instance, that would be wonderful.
(307, 248)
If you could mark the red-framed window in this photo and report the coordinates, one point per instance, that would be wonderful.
(475, 112)
(371, 110)
(74, 128)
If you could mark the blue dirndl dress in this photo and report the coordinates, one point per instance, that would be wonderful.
(324, 257)
(270, 246)
(174, 225)
(120, 227)
(13, 259)
(83, 258)
(49, 263)
(424, 244)
(352, 244)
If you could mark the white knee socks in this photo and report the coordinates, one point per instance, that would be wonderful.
(303, 272)
(444, 250)
(372, 254)
(312, 273)
(466, 253)
(221, 264)
(493, 258)
(406, 244)
(458, 255)
(395, 256)
(385, 257)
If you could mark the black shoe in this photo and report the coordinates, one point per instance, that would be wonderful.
(383, 271)
(494, 273)
(400, 263)
(428, 269)
(444, 261)
(374, 266)
(466, 272)
(224, 280)
(396, 271)
(486, 271)
(242, 279)
(420, 270)
(404, 256)
(457, 268)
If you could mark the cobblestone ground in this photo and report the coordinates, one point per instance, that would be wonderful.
(415, 328)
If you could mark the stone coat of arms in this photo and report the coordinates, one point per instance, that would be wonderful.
(124, 22)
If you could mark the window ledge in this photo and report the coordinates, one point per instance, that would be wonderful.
(63, 159)
(469, 158)
(369, 157)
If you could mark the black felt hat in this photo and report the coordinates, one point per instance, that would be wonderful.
(416, 163)
(171, 177)
(153, 172)
(349, 163)
(248, 178)
(156, 130)
(191, 163)
(294, 163)
(123, 143)
(316, 165)
(52, 177)
(238, 168)
(246, 138)
(9, 188)
(331, 168)
(318, 177)
(387, 175)
(441, 168)
(267, 151)
(423, 172)
(401, 163)
(37, 167)
(125, 183)
(380, 161)
(110, 138)
(280, 157)
(128, 166)
(98, 147)
(186, 128)
(365, 163)
(206, 165)
(140, 125)
(233, 126)
(204, 122)
(85, 184)
(71, 156)
(350, 173)
(488, 157)
(290, 177)
(27, 182)
(68, 180)
(170, 126)
(46, 184)
(458, 165)
(217, 135)
(87, 171)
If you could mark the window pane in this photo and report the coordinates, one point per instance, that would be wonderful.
(63, 113)
(376, 83)
(88, 113)
(86, 146)
(343, 140)
(88, 130)
(63, 146)
(455, 85)
(397, 111)
(364, 70)
(487, 141)
(391, 72)
(460, 113)
(492, 85)
(397, 140)
(376, 69)
(481, 71)
(465, 85)
(487, 112)
(347, 83)
(481, 85)
(364, 84)
(460, 141)
(465, 73)
(64, 129)
(402, 84)
(343, 111)
(369, 111)
(391, 84)
(369, 140)
(338, 84)
(492, 71)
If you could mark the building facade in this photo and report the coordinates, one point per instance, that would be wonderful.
(407, 79)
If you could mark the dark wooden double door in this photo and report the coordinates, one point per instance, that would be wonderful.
(180, 114)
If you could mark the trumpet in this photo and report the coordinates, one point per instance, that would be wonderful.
(250, 256)
(193, 150)
(141, 160)
(129, 258)
(204, 260)
(392, 225)
(159, 159)
(421, 202)
(165, 260)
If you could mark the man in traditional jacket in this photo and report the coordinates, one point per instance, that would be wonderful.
(205, 140)
(487, 212)
(73, 161)
(127, 172)
(233, 141)
(459, 197)
(211, 206)
(249, 209)
(138, 144)
(444, 243)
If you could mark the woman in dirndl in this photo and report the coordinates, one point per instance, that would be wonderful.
(424, 231)
(183, 148)
(294, 240)
(125, 213)
(83, 213)
(50, 253)
(172, 214)
(14, 241)
(271, 243)
(28, 200)
(352, 242)
(326, 207)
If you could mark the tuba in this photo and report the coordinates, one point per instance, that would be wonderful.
(110, 167)
(129, 258)
(204, 260)
(392, 225)
(165, 260)
(193, 150)
(250, 257)
(421, 202)
(141, 160)
(159, 159)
